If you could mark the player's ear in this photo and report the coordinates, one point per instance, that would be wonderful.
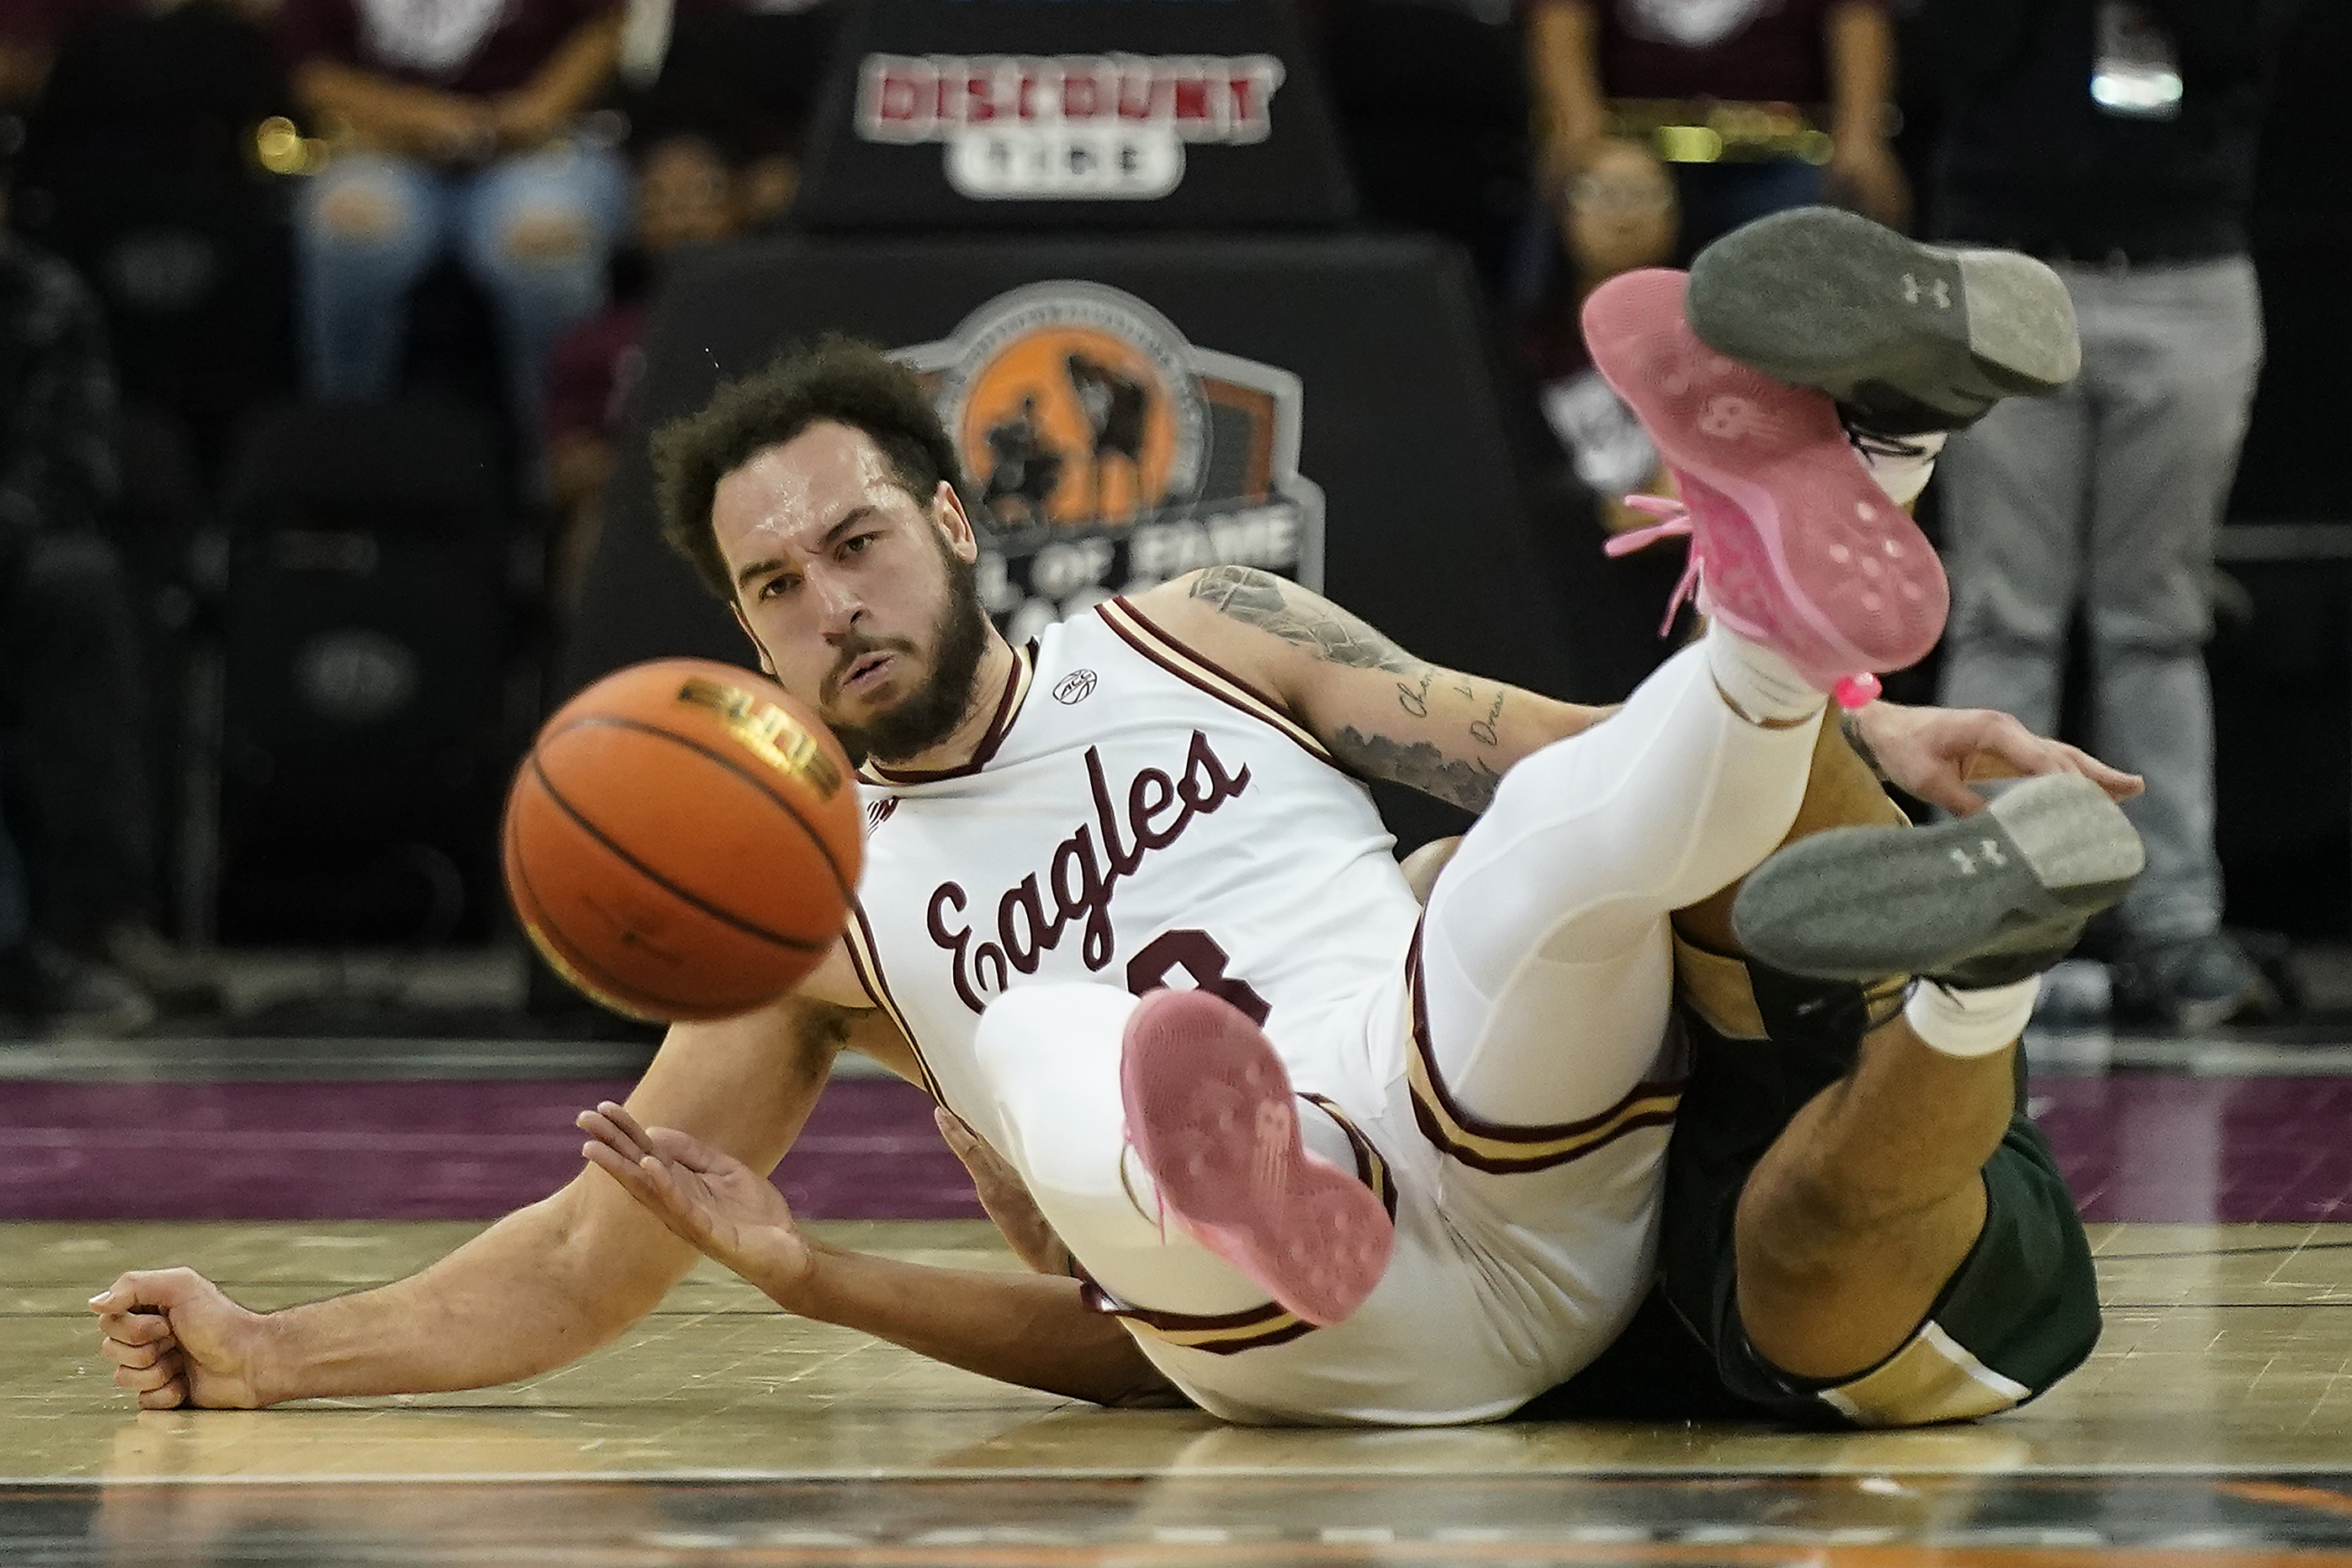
(767, 665)
(948, 514)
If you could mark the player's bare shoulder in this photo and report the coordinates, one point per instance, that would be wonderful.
(1265, 627)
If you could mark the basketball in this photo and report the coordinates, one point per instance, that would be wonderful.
(682, 842)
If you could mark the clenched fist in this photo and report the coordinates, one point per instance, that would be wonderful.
(177, 1339)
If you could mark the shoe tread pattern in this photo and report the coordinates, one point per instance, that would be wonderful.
(1800, 549)
(1210, 1114)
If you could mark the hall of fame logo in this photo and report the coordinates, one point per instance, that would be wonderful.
(1107, 455)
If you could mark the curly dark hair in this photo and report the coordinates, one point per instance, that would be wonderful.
(840, 379)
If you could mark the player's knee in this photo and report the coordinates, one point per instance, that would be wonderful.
(1802, 1222)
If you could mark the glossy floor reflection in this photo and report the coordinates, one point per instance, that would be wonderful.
(2218, 1411)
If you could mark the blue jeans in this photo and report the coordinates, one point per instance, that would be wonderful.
(371, 224)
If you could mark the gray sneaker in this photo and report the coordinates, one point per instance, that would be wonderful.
(2194, 983)
(1976, 901)
(1907, 337)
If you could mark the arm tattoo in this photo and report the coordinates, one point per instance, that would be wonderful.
(1849, 723)
(1263, 600)
(1469, 784)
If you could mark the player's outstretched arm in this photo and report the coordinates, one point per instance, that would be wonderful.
(1933, 752)
(1033, 1330)
(1389, 715)
(1382, 712)
(538, 1288)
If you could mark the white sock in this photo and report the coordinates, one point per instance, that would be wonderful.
(1970, 1023)
(1901, 476)
(1761, 685)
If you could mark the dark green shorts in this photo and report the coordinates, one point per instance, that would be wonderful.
(2021, 1313)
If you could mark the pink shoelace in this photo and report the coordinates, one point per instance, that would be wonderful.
(1674, 521)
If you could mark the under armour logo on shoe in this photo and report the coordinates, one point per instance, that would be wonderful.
(1988, 848)
(1935, 288)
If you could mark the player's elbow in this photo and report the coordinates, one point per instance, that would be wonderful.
(608, 1262)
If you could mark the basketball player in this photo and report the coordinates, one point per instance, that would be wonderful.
(1459, 1207)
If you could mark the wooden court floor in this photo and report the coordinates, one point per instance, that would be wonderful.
(2212, 1429)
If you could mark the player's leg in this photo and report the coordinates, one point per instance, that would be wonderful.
(1841, 1180)
(1260, 1190)
(1906, 1316)
(1860, 1220)
(1551, 918)
(1831, 1192)
(1856, 1218)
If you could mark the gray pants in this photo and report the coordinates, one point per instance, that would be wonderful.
(2108, 492)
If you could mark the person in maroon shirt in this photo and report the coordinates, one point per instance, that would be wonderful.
(1758, 104)
(30, 32)
(452, 121)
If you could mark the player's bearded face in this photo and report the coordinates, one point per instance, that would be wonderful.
(929, 712)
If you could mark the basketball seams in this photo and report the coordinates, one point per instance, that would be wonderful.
(692, 901)
(556, 945)
(713, 753)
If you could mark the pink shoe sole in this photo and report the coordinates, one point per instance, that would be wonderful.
(1210, 1114)
(1800, 549)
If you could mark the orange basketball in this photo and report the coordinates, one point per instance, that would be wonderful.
(682, 842)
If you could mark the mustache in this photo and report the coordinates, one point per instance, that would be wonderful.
(855, 647)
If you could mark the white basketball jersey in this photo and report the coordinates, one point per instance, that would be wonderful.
(1135, 817)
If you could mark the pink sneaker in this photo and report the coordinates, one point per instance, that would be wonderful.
(1210, 1113)
(1793, 544)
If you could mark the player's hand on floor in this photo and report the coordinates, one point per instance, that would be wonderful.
(1005, 1197)
(704, 1195)
(1933, 752)
(177, 1339)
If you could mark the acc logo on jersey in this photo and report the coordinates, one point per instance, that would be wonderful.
(1107, 454)
(1072, 127)
(1074, 687)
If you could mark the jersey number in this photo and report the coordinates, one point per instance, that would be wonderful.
(1195, 953)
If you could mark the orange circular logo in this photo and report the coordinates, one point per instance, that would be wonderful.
(1074, 407)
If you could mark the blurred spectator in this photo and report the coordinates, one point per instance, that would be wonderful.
(687, 194)
(2115, 140)
(69, 690)
(30, 32)
(742, 78)
(141, 171)
(1759, 104)
(454, 124)
(1616, 214)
